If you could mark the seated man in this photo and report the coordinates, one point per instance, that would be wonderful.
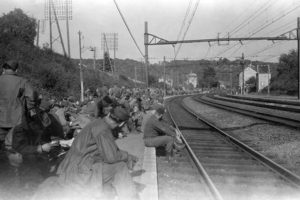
(29, 144)
(93, 162)
(159, 133)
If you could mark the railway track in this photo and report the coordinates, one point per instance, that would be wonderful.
(290, 106)
(267, 100)
(231, 169)
(273, 114)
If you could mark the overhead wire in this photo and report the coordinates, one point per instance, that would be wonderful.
(240, 16)
(262, 27)
(258, 12)
(251, 18)
(137, 46)
(189, 24)
(274, 20)
(184, 19)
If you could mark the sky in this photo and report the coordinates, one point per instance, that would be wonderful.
(239, 18)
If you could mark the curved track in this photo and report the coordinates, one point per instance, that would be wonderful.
(231, 169)
(283, 117)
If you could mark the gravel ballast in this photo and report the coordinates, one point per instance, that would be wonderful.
(280, 143)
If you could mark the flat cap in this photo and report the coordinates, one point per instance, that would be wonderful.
(11, 64)
(159, 108)
(120, 113)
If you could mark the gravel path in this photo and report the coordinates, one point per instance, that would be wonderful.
(280, 143)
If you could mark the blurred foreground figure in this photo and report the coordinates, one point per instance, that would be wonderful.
(94, 163)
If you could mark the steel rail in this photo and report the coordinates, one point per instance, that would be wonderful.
(283, 107)
(281, 171)
(279, 119)
(277, 101)
(214, 191)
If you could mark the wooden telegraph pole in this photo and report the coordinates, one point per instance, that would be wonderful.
(165, 92)
(38, 33)
(298, 47)
(243, 68)
(146, 53)
(80, 70)
(67, 25)
(50, 25)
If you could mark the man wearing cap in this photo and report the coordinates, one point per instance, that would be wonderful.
(16, 98)
(95, 161)
(159, 133)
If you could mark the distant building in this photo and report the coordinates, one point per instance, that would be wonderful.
(260, 73)
(192, 79)
(263, 78)
(224, 84)
(248, 73)
(168, 81)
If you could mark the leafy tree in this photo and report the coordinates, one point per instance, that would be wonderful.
(287, 75)
(251, 84)
(152, 79)
(17, 25)
(107, 62)
(209, 78)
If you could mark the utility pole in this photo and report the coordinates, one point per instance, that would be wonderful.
(58, 27)
(257, 79)
(103, 68)
(115, 52)
(67, 24)
(230, 79)
(38, 33)
(269, 79)
(135, 76)
(298, 41)
(146, 52)
(50, 25)
(243, 68)
(80, 70)
(94, 60)
(165, 76)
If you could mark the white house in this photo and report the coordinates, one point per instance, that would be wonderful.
(263, 76)
(248, 73)
(168, 81)
(192, 79)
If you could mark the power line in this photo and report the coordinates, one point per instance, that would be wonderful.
(263, 27)
(190, 21)
(137, 46)
(274, 20)
(240, 16)
(252, 17)
(184, 19)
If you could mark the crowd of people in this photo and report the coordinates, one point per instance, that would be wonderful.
(71, 144)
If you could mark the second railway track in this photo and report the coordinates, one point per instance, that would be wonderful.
(234, 171)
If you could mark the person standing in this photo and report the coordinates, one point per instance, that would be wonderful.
(17, 98)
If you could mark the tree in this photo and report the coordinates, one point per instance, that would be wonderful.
(287, 75)
(152, 79)
(17, 25)
(251, 84)
(209, 78)
(107, 62)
